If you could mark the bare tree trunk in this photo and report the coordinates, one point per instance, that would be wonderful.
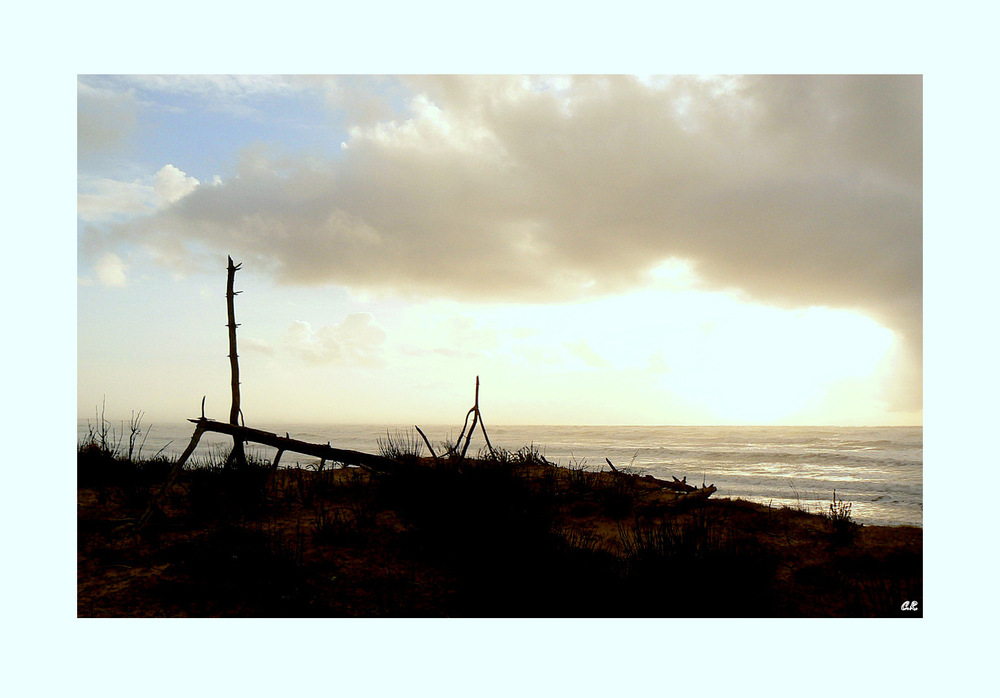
(238, 454)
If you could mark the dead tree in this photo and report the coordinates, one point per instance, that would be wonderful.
(237, 455)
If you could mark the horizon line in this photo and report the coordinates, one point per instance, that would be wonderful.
(566, 424)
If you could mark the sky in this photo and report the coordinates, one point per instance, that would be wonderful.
(597, 249)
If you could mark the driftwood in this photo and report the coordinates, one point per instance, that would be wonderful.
(679, 487)
(368, 461)
(476, 417)
(683, 491)
(699, 493)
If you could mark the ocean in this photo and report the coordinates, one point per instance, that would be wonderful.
(879, 470)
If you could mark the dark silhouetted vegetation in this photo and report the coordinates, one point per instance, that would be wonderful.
(504, 534)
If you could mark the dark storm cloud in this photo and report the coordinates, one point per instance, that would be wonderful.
(793, 190)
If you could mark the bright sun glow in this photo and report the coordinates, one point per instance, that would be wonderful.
(764, 365)
(733, 362)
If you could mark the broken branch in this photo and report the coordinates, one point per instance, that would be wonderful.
(429, 447)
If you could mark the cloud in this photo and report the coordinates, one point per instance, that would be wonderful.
(583, 351)
(793, 190)
(357, 341)
(110, 270)
(453, 337)
(257, 345)
(172, 184)
(104, 200)
(105, 119)
(466, 333)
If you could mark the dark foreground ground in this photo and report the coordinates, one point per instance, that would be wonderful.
(506, 536)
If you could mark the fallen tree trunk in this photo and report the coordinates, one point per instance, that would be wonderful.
(369, 461)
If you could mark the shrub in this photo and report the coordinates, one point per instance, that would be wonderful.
(843, 525)
(401, 446)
